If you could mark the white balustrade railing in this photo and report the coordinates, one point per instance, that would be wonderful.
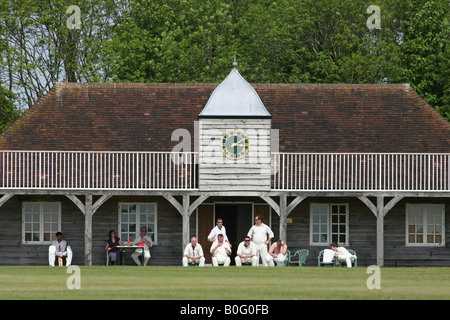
(361, 172)
(97, 170)
(165, 170)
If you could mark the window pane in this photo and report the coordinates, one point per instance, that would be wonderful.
(41, 220)
(334, 219)
(419, 228)
(28, 217)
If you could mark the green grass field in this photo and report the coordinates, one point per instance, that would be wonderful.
(208, 283)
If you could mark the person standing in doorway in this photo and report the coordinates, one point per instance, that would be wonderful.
(218, 229)
(261, 234)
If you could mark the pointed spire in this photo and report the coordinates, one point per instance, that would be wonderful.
(234, 97)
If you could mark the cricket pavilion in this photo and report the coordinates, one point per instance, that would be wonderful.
(365, 165)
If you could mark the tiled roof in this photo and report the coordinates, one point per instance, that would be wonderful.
(310, 117)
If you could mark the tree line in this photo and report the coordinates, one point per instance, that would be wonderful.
(283, 41)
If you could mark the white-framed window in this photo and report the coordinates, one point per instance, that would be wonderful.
(328, 223)
(133, 216)
(425, 224)
(41, 221)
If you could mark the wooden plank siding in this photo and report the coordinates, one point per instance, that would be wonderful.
(168, 251)
(362, 234)
(219, 173)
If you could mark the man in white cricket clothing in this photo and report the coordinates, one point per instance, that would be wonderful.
(342, 254)
(193, 254)
(59, 248)
(261, 235)
(218, 229)
(220, 251)
(246, 253)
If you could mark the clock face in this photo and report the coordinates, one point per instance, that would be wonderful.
(234, 144)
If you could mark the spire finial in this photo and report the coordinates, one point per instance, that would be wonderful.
(235, 63)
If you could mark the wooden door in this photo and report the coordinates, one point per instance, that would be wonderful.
(205, 221)
(262, 210)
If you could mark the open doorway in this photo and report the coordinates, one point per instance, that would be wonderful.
(237, 219)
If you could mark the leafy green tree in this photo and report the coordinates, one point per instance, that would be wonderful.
(42, 46)
(308, 41)
(8, 111)
(173, 41)
(425, 52)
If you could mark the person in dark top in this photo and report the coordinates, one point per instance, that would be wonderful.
(111, 247)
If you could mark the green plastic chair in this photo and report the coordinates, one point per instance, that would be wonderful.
(288, 256)
(299, 257)
(321, 263)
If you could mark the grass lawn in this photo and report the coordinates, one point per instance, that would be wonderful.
(208, 283)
